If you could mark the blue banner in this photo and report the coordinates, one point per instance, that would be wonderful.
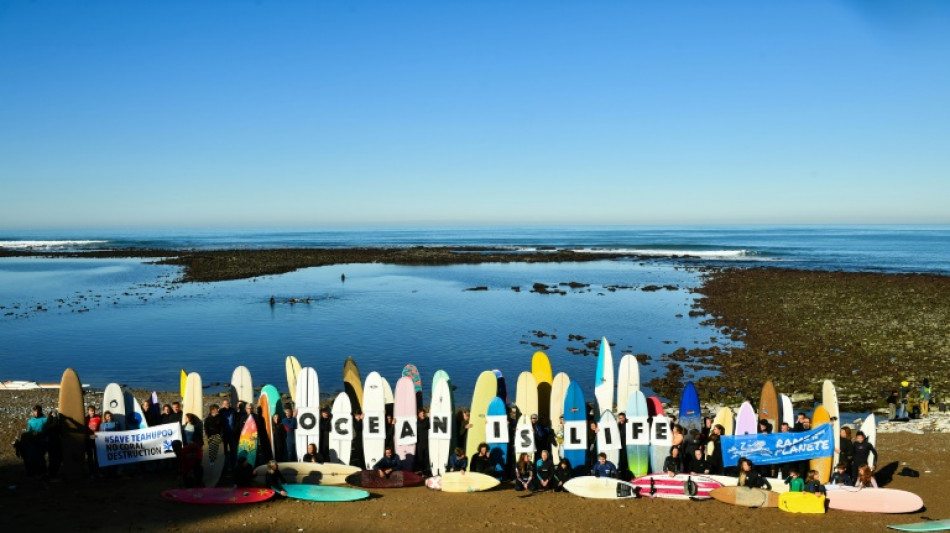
(778, 448)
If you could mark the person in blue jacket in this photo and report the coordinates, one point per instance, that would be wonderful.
(603, 467)
(388, 464)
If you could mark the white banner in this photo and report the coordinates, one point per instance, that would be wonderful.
(374, 425)
(405, 430)
(575, 435)
(137, 445)
(608, 438)
(524, 438)
(342, 428)
(308, 420)
(496, 429)
(638, 430)
(661, 434)
(440, 426)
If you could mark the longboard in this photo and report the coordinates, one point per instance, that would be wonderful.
(869, 428)
(745, 496)
(486, 388)
(496, 435)
(222, 496)
(829, 399)
(310, 473)
(574, 447)
(441, 424)
(74, 431)
(770, 407)
(638, 445)
(558, 391)
(628, 379)
(778, 485)
(544, 377)
(243, 385)
(871, 500)
(212, 460)
(746, 422)
(604, 378)
(462, 482)
(526, 394)
(822, 464)
(405, 414)
(374, 420)
(113, 401)
(604, 488)
(317, 493)
(691, 415)
(341, 430)
(308, 411)
(676, 487)
(353, 384)
(292, 367)
(369, 479)
(193, 401)
(726, 419)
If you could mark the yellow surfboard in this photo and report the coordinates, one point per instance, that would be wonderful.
(184, 382)
(293, 370)
(486, 388)
(353, 385)
(822, 464)
(726, 419)
(801, 502)
(544, 377)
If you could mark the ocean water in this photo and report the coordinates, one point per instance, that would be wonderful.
(128, 321)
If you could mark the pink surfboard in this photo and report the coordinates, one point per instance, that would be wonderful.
(404, 411)
(871, 500)
(654, 406)
(219, 496)
(746, 421)
(677, 487)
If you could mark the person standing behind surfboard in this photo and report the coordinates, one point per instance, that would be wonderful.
(326, 427)
(290, 429)
(229, 433)
(422, 442)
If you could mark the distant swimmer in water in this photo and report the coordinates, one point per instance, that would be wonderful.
(342, 278)
(272, 301)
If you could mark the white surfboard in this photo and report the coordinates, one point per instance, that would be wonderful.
(388, 397)
(374, 419)
(604, 378)
(829, 399)
(778, 485)
(193, 402)
(341, 432)
(558, 391)
(526, 394)
(113, 401)
(308, 411)
(241, 381)
(310, 473)
(788, 412)
(608, 437)
(869, 428)
(441, 415)
(604, 488)
(628, 379)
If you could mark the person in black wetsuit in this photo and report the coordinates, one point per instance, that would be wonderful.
(274, 479)
(562, 474)
(862, 453)
(749, 477)
(388, 464)
(481, 462)
(672, 464)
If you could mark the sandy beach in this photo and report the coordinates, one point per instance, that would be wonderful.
(132, 502)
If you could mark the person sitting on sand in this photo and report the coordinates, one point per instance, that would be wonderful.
(672, 464)
(387, 464)
(865, 478)
(545, 470)
(749, 477)
(699, 464)
(841, 476)
(862, 453)
(794, 481)
(243, 473)
(458, 462)
(312, 455)
(813, 483)
(562, 473)
(524, 474)
(274, 479)
(603, 467)
(481, 463)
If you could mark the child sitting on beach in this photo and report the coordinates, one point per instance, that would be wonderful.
(794, 481)
(841, 476)
(865, 478)
(813, 483)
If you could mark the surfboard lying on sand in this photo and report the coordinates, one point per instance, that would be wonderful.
(871, 500)
(933, 525)
(604, 488)
(462, 482)
(310, 473)
(222, 496)
(778, 485)
(369, 479)
(745, 496)
(679, 487)
(317, 493)
(802, 502)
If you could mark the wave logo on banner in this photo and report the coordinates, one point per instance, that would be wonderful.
(150, 444)
(778, 448)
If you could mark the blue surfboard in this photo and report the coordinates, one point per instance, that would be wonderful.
(691, 415)
(498, 451)
(575, 429)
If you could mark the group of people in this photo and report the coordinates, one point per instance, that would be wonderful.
(910, 402)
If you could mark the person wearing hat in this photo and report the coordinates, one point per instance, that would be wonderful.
(902, 407)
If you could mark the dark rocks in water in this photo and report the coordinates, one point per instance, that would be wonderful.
(516, 288)
(575, 284)
(696, 313)
(542, 288)
(478, 288)
(538, 345)
(671, 287)
(572, 337)
(651, 288)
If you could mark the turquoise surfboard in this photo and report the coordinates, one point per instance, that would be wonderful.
(322, 493)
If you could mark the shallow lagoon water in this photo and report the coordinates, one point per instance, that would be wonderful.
(140, 328)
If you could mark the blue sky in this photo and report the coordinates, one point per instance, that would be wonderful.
(163, 114)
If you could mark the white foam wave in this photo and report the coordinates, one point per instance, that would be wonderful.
(47, 244)
(703, 254)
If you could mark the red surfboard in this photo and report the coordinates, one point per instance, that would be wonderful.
(219, 496)
(370, 479)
